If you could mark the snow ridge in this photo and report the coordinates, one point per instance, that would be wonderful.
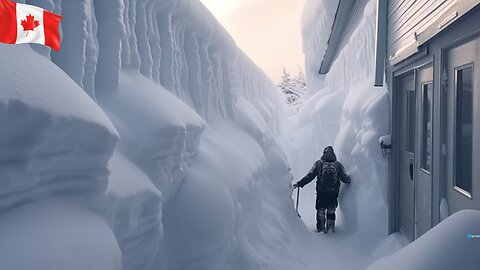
(317, 21)
(55, 139)
(131, 123)
(346, 111)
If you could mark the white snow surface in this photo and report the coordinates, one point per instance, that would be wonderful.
(348, 113)
(56, 233)
(132, 207)
(439, 248)
(54, 139)
(150, 141)
(317, 22)
(182, 171)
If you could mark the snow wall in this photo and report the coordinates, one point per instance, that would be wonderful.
(345, 110)
(316, 22)
(147, 142)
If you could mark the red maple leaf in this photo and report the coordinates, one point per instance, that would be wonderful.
(30, 23)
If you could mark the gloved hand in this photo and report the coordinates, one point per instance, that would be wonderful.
(295, 185)
(349, 179)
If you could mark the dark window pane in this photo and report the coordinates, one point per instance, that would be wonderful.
(464, 129)
(411, 121)
(427, 96)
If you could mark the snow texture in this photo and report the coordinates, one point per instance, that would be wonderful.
(430, 251)
(54, 138)
(132, 208)
(147, 142)
(56, 233)
(317, 22)
(346, 111)
(150, 141)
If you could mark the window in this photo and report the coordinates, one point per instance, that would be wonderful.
(409, 87)
(427, 125)
(464, 129)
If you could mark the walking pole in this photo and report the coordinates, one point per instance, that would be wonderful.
(298, 197)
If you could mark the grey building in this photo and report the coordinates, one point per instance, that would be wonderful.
(429, 53)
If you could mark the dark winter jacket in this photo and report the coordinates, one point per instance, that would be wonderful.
(316, 171)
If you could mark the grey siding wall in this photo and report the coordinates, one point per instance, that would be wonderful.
(407, 17)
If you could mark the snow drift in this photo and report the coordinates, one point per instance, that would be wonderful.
(193, 179)
(55, 143)
(317, 21)
(54, 138)
(430, 251)
(57, 233)
(346, 111)
(132, 207)
(351, 115)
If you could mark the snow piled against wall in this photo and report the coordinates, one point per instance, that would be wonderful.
(350, 114)
(55, 145)
(157, 131)
(429, 251)
(317, 21)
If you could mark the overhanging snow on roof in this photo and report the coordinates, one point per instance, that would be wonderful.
(347, 16)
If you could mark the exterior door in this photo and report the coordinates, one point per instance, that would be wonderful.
(463, 126)
(423, 159)
(408, 130)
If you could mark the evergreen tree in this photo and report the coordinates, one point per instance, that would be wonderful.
(300, 84)
(294, 88)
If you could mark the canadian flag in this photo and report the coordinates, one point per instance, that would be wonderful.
(21, 23)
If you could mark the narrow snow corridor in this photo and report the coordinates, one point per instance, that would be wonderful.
(343, 110)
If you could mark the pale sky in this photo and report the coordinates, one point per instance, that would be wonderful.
(266, 30)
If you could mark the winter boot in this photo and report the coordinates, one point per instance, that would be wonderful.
(321, 225)
(331, 225)
(321, 220)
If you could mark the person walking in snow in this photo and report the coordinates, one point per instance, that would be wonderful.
(329, 172)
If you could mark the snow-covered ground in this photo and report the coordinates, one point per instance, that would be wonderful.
(346, 111)
(350, 114)
(150, 141)
(449, 245)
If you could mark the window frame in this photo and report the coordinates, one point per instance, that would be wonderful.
(422, 142)
(462, 191)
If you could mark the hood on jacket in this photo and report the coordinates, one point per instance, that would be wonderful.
(329, 154)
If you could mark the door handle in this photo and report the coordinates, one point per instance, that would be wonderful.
(411, 169)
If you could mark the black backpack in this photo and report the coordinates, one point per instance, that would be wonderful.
(329, 177)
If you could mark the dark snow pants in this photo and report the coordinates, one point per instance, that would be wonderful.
(326, 205)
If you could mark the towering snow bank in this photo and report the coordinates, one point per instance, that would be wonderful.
(54, 141)
(365, 117)
(78, 56)
(164, 71)
(232, 211)
(158, 131)
(317, 22)
(178, 44)
(132, 206)
(446, 246)
(54, 138)
(56, 234)
(159, 136)
(350, 114)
